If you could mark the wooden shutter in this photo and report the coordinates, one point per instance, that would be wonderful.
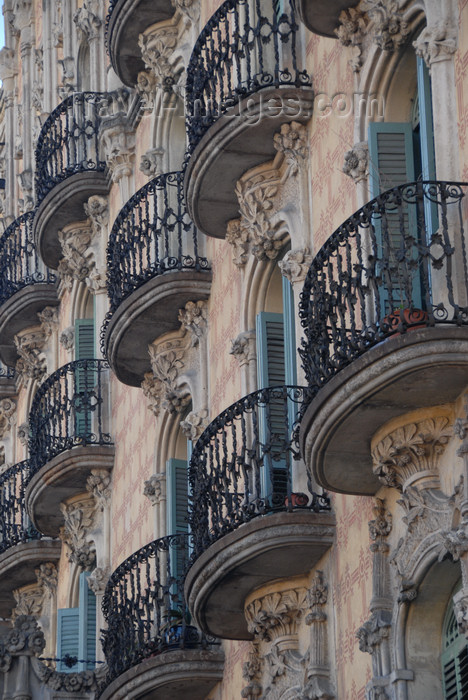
(454, 659)
(84, 379)
(84, 339)
(426, 130)
(177, 509)
(87, 626)
(67, 636)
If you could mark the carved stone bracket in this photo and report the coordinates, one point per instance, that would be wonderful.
(189, 8)
(29, 601)
(244, 347)
(356, 162)
(79, 517)
(292, 142)
(47, 577)
(97, 209)
(155, 488)
(146, 86)
(167, 361)
(31, 363)
(98, 485)
(276, 614)
(194, 424)
(77, 261)
(194, 318)
(151, 162)
(7, 416)
(67, 338)
(157, 48)
(374, 631)
(87, 20)
(98, 579)
(295, 265)
(390, 30)
(118, 142)
(48, 318)
(351, 32)
(436, 43)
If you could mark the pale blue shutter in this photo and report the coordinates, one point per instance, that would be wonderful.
(426, 128)
(84, 379)
(454, 659)
(87, 625)
(270, 349)
(177, 509)
(67, 636)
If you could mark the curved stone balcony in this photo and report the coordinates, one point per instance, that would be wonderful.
(125, 21)
(385, 316)
(152, 650)
(322, 16)
(69, 424)
(26, 285)
(249, 525)
(70, 167)
(245, 79)
(154, 268)
(22, 547)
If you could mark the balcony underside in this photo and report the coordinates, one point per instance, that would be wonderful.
(17, 566)
(20, 312)
(147, 314)
(128, 20)
(321, 16)
(173, 675)
(64, 205)
(421, 368)
(239, 140)
(61, 478)
(268, 548)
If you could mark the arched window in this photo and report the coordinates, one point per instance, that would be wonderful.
(454, 658)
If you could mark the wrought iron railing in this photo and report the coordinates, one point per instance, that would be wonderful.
(151, 235)
(144, 606)
(69, 141)
(71, 408)
(15, 526)
(399, 262)
(242, 465)
(20, 264)
(246, 45)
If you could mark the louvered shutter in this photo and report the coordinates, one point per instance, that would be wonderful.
(84, 378)
(454, 659)
(87, 626)
(426, 129)
(67, 636)
(177, 508)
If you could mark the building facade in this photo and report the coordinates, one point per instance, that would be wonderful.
(234, 350)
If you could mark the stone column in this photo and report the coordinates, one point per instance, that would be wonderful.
(318, 671)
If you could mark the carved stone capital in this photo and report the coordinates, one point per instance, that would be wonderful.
(352, 27)
(79, 517)
(374, 631)
(98, 579)
(157, 48)
(87, 21)
(194, 318)
(47, 577)
(295, 264)
(29, 601)
(276, 614)
(381, 526)
(411, 450)
(436, 43)
(32, 362)
(77, 262)
(49, 320)
(67, 338)
(97, 281)
(7, 416)
(155, 488)
(292, 142)
(194, 424)
(356, 162)
(390, 30)
(97, 209)
(244, 347)
(98, 485)
(151, 162)
(118, 143)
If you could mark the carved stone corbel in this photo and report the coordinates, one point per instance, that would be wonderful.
(118, 143)
(291, 141)
(256, 195)
(146, 86)
(151, 162)
(97, 209)
(155, 488)
(153, 390)
(32, 362)
(48, 318)
(194, 424)
(244, 347)
(47, 577)
(97, 580)
(98, 485)
(436, 43)
(87, 21)
(237, 236)
(356, 162)
(7, 416)
(194, 319)
(167, 361)
(79, 516)
(295, 265)
(67, 338)
(77, 261)
(389, 29)
(157, 48)
(351, 32)
(189, 8)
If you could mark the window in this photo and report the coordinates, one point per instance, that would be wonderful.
(454, 659)
(76, 630)
(84, 377)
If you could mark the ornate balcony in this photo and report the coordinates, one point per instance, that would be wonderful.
(152, 649)
(26, 285)
(69, 423)
(322, 16)
(22, 547)
(69, 169)
(249, 525)
(125, 21)
(7, 382)
(385, 314)
(154, 268)
(245, 79)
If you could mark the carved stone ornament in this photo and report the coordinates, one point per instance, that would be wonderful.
(97, 209)
(374, 631)
(295, 264)
(67, 338)
(436, 43)
(77, 682)
(190, 8)
(118, 143)
(252, 671)
(276, 614)
(157, 48)
(194, 424)
(97, 281)
(7, 416)
(351, 32)
(153, 390)
(32, 362)
(194, 319)
(47, 577)
(244, 347)
(97, 580)
(292, 142)
(381, 526)
(77, 261)
(410, 450)
(49, 320)
(98, 485)
(390, 29)
(155, 488)
(237, 235)
(87, 20)
(167, 361)
(29, 601)
(26, 638)
(356, 162)
(256, 195)
(460, 608)
(151, 162)
(79, 517)
(146, 86)
(22, 433)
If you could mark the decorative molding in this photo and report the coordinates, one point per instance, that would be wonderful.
(26, 637)
(47, 577)
(389, 29)
(77, 262)
(97, 580)
(411, 450)
(244, 347)
(155, 488)
(256, 196)
(146, 87)
(153, 390)
(381, 526)
(67, 338)
(167, 361)
(151, 163)
(194, 319)
(29, 601)
(117, 138)
(276, 614)
(32, 362)
(374, 631)
(194, 424)
(87, 21)
(351, 32)
(356, 162)
(292, 142)
(49, 320)
(97, 209)
(436, 43)
(7, 416)
(97, 281)
(252, 672)
(79, 517)
(98, 485)
(237, 235)
(318, 673)
(295, 264)
(157, 48)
